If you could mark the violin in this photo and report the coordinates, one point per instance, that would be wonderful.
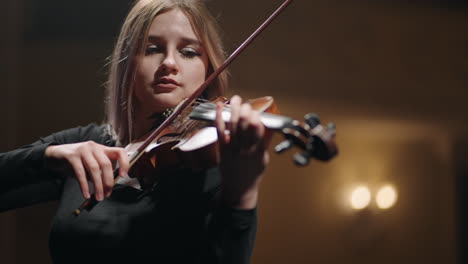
(184, 137)
(192, 143)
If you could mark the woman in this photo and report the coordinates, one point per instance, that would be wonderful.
(165, 51)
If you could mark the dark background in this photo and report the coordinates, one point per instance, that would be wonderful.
(392, 75)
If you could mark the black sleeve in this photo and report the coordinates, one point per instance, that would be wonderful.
(24, 179)
(231, 232)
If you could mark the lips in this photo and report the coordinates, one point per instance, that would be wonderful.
(165, 84)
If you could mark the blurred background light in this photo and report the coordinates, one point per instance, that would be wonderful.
(360, 197)
(386, 197)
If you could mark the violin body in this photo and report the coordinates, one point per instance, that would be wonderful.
(185, 143)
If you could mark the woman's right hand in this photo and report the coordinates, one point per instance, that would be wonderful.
(89, 160)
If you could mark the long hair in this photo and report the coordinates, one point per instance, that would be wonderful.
(131, 41)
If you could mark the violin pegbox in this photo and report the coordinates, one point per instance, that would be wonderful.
(314, 140)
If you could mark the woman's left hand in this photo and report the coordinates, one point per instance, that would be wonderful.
(243, 154)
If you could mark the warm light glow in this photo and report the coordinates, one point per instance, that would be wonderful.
(360, 198)
(386, 197)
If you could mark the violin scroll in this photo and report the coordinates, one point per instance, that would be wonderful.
(315, 140)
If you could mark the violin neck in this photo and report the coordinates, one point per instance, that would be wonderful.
(207, 112)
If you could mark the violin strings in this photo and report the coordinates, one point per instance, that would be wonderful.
(201, 106)
(206, 107)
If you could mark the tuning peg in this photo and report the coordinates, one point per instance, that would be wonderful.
(312, 119)
(301, 159)
(284, 145)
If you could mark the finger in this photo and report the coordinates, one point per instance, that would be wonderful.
(219, 123)
(119, 154)
(244, 117)
(263, 134)
(258, 130)
(235, 111)
(80, 175)
(244, 136)
(107, 174)
(95, 174)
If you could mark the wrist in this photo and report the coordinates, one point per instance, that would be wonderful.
(240, 199)
(48, 152)
(51, 158)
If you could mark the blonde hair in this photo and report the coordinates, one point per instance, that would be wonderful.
(120, 90)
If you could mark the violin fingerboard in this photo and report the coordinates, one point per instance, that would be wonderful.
(207, 112)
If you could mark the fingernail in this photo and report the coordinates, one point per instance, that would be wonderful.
(99, 197)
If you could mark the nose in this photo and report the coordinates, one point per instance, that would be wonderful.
(169, 64)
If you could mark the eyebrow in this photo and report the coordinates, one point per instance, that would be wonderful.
(184, 39)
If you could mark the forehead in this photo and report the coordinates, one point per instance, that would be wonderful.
(172, 23)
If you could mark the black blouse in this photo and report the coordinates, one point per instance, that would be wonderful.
(176, 222)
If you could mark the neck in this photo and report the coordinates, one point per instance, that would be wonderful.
(142, 123)
(145, 121)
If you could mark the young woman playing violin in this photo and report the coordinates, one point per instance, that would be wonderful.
(165, 51)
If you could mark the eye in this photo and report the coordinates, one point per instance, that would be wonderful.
(152, 49)
(189, 52)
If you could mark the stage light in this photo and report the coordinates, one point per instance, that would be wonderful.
(360, 197)
(386, 197)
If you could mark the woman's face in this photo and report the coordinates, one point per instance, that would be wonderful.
(173, 65)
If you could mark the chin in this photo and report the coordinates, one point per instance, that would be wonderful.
(161, 102)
